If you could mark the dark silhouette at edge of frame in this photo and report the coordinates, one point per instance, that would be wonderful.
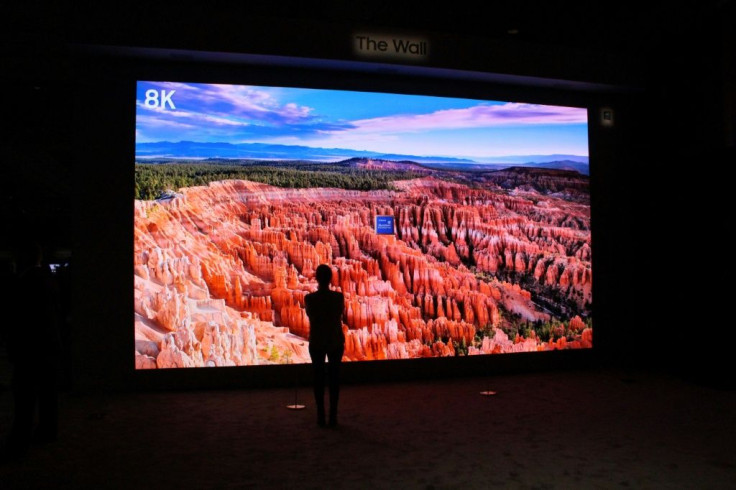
(326, 340)
(32, 336)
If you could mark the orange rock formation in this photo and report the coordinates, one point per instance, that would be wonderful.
(221, 271)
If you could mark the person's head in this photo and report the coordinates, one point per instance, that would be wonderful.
(324, 275)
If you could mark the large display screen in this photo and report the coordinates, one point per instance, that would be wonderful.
(454, 227)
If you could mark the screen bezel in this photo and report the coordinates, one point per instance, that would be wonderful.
(377, 82)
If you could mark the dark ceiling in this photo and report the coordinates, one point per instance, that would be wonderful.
(41, 30)
(37, 36)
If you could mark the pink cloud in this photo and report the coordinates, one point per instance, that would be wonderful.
(508, 115)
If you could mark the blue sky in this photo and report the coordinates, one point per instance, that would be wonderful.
(386, 123)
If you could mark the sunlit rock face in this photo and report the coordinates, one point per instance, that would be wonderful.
(221, 271)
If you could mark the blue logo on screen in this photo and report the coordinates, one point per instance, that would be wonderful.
(385, 225)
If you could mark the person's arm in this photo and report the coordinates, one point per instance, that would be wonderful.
(308, 306)
(342, 307)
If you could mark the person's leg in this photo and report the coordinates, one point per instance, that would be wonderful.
(333, 369)
(48, 409)
(318, 366)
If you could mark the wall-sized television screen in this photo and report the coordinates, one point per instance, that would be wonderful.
(454, 227)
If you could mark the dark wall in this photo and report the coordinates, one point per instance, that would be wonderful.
(686, 134)
(658, 233)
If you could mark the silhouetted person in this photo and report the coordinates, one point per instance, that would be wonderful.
(33, 346)
(326, 339)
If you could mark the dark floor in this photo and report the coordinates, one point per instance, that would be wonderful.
(600, 428)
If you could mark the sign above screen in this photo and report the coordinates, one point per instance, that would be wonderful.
(453, 226)
(404, 48)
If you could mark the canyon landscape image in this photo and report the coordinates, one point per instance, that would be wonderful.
(241, 192)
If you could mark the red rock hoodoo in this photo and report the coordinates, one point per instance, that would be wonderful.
(221, 272)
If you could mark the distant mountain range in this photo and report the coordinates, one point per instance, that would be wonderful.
(580, 167)
(263, 151)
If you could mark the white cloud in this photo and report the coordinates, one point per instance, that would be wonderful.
(480, 116)
(194, 116)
